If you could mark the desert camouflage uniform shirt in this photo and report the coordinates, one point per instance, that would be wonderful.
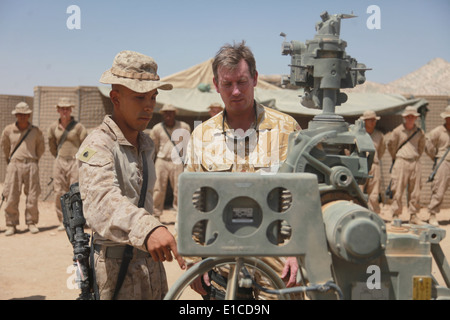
(111, 176)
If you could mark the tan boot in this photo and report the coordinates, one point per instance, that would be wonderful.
(414, 219)
(33, 228)
(10, 231)
(433, 220)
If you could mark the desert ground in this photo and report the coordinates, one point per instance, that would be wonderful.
(39, 266)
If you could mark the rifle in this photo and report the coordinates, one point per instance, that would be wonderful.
(51, 190)
(431, 177)
(74, 222)
(388, 191)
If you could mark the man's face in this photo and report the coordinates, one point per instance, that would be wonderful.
(169, 118)
(22, 118)
(370, 125)
(410, 121)
(133, 110)
(236, 87)
(64, 112)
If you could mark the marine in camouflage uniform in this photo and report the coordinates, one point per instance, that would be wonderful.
(407, 171)
(372, 186)
(65, 168)
(437, 142)
(245, 137)
(111, 175)
(22, 170)
(169, 157)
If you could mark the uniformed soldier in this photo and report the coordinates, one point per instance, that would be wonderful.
(65, 136)
(23, 145)
(437, 144)
(372, 186)
(245, 137)
(214, 109)
(116, 177)
(170, 138)
(405, 145)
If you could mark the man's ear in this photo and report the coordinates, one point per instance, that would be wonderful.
(255, 79)
(216, 84)
(114, 96)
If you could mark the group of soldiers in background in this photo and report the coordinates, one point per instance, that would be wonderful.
(406, 144)
(23, 145)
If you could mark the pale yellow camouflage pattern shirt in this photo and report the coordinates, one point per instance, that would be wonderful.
(110, 177)
(262, 148)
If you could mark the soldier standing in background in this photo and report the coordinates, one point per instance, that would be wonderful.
(405, 145)
(437, 144)
(23, 145)
(169, 156)
(372, 186)
(65, 136)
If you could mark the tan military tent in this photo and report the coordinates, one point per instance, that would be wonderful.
(194, 91)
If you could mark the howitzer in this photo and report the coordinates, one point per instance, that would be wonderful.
(74, 222)
(435, 169)
(339, 242)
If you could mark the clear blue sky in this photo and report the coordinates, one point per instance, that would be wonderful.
(37, 48)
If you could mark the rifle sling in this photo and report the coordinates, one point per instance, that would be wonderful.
(128, 252)
(20, 142)
(64, 135)
(405, 142)
(435, 169)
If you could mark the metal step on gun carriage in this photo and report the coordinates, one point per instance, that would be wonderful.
(313, 207)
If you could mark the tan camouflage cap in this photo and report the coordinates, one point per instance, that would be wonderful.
(410, 110)
(369, 114)
(135, 71)
(22, 108)
(168, 107)
(446, 112)
(65, 102)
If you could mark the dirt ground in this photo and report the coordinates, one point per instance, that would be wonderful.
(39, 266)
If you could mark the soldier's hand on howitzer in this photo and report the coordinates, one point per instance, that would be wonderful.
(160, 243)
(289, 274)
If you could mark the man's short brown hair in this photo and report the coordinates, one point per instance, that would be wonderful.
(229, 57)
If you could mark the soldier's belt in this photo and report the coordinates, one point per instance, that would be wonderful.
(409, 159)
(116, 252)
